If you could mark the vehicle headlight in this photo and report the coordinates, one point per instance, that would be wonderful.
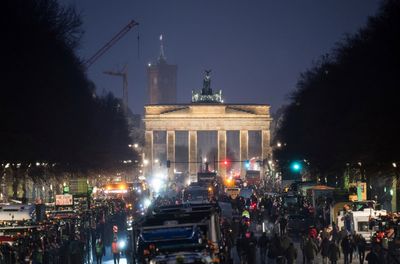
(122, 244)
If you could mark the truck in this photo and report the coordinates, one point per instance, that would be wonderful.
(178, 230)
(18, 213)
(357, 218)
(253, 178)
(196, 194)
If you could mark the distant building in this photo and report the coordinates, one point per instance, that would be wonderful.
(161, 79)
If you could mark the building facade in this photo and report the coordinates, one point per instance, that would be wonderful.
(162, 80)
(206, 130)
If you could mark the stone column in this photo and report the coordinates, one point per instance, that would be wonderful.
(244, 150)
(148, 153)
(266, 152)
(221, 152)
(193, 153)
(395, 193)
(171, 154)
(266, 144)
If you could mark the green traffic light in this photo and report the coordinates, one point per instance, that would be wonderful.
(295, 166)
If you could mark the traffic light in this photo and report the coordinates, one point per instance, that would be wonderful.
(90, 190)
(247, 164)
(168, 164)
(225, 162)
(65, 189)
(295, 166)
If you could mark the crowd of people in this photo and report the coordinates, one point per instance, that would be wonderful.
(53, 244)
(69, 240)
(317, 243)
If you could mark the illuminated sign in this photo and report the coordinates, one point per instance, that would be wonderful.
(64, 199)
(116, 188)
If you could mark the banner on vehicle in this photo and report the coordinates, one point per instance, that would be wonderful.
(64, 199)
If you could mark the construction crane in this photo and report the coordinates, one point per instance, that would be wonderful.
(124, 74)
(109, 44)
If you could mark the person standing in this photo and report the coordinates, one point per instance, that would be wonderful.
(361, 246)
(352, 246)
(100, 251)
(251, 248)
(262, 245)
(313, 233)
(334, 252)
(346, 248)
(372, 257)
(342, 234)
(324, 248)
(115, 251)
(37, 256)
(239, 247)
(282, 225)
(291, 254)
(310, 250)
(303, 241)
(334, 232)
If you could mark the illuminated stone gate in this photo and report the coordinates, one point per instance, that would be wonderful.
(206, 113)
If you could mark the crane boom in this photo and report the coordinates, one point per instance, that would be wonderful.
(109, 44)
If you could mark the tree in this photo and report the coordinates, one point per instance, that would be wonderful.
(48, 108)
(345, 108)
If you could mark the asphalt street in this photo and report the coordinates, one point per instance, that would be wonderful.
(108, 258)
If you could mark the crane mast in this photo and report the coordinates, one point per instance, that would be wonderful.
(124, 74)
(109, 44)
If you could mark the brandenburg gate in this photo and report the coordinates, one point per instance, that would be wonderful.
(207, 112)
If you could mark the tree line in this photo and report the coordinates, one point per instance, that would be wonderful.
(49, 111)
(344, 112)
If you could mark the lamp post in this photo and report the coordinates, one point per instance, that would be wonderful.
(396, 189)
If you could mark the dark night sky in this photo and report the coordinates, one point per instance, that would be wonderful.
(256, 49)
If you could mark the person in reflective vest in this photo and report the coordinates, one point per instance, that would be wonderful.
(100, 251)
(246, 213)
(115, 251)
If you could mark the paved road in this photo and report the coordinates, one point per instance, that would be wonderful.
(108, 259)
